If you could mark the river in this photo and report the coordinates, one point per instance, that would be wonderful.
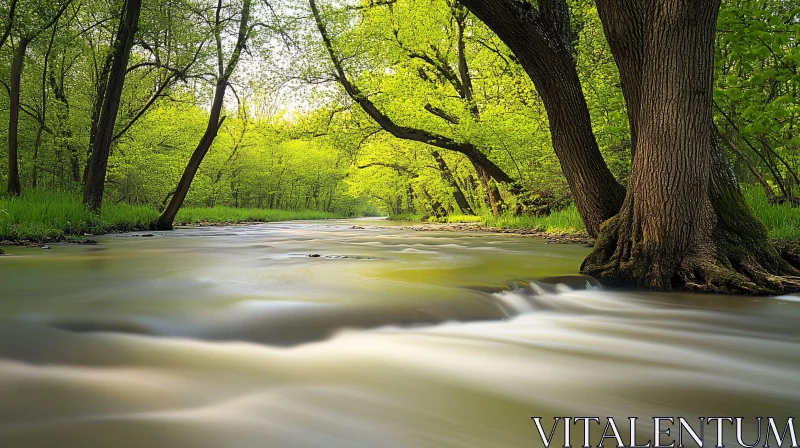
(318, 334)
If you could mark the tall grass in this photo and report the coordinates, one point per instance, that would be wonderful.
(567, 220)
(40, 215)
(782, 220)
(44, 215)
(462, 218)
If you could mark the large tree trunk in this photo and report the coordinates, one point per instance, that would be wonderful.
(684, 223)
(541, 40)
(167, 218)
(14, 186)
(98, 162)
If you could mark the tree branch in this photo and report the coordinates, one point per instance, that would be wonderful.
(9, 25)
(402, 132)
(442, 114)
(399, 168)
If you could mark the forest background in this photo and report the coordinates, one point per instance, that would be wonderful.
(290, 137)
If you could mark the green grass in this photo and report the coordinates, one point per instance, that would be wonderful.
(192, 215)
(446, 219)
(461, 218)
(40, 215)
(782, 220)
(563, 221)
(45, 215)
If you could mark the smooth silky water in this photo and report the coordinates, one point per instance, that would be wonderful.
(236, 337)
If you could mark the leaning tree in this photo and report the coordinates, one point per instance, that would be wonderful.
(541, 39)
(223, 76)
(101, 145)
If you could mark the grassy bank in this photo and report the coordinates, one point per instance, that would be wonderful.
(782, 220)
(567, 220)
(46, 215)
(195, 215)
(563, 221)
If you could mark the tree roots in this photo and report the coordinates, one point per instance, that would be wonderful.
(728, 264)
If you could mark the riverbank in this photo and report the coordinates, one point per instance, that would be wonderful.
(554, 237)
(40, 217)
(781, 220)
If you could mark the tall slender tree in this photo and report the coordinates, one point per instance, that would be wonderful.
(98, 161)
(215, 119)
(26, 31)
(460, 79)
(14, 187)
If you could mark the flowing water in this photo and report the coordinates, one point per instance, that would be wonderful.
(239, 337)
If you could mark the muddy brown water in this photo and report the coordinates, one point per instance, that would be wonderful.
(236, 337)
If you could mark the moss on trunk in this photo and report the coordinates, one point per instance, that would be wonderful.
(730, 253)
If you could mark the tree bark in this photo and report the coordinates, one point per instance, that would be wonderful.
(541, 39)
(14, 187)
(685, 223)
(98, 162)
(101, 83)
